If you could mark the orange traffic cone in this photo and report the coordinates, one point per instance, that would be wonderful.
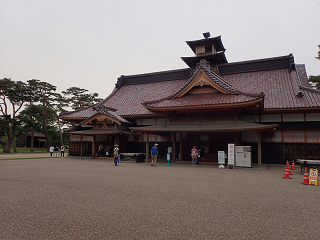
(293, 166)
(305, 177)
(288, 166)
(286, 173)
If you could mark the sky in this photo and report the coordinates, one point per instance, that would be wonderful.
(90, 43)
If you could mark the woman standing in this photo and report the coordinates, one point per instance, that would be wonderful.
(116, 154)
(194, 155)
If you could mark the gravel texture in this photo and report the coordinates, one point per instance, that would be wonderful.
(74, 198)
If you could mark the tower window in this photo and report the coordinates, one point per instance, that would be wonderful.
(208, 48)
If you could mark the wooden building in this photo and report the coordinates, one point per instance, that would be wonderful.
(24, 140)
(267, 104)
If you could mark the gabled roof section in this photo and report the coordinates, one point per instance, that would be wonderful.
(91, 113)
(224, 94)
(204, 76)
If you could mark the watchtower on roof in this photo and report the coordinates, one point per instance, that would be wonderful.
(210, 49)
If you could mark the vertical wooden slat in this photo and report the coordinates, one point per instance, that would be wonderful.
(259, 149)
(180, 155)
(147, 148)
(174, 147)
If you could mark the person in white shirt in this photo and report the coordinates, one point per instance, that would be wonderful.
(62, 151)
(51, 150)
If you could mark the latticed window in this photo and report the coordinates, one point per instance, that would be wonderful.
(293, 136)
(313, 136)
(155, 138)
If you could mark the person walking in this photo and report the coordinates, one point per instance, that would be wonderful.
(62, 151)
(116, 154)
(154, 155)
(51, 149)
(194, 155)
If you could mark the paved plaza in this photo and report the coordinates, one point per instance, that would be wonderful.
(72, 198)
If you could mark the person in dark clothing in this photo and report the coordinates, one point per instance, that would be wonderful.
(116, 154)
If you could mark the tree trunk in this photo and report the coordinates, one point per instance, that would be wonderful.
(32, 140)
(45, 130)
(6, 147)
(14, 147)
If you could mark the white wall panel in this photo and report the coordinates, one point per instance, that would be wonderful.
(293, 117)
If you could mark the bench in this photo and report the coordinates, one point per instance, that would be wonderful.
(306, 163)
(133, 157)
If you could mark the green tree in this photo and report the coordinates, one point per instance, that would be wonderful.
(48, 100)
(12, 99)
(78, 98)
(315, 81)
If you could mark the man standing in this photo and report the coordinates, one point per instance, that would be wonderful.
(62, 151)
(116, 154)
(154, 155)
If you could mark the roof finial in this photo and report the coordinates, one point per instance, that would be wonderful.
(206, 34)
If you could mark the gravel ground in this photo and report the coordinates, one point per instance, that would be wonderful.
(75, 198)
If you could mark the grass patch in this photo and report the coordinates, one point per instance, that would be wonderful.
(28, 150)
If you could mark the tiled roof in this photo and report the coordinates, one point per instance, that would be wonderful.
(210, 126)
(203, 99)
(280, 86)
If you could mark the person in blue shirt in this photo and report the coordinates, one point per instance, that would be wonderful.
(154, 155)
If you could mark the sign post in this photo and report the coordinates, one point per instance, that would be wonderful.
(313, 177)
(231, 155)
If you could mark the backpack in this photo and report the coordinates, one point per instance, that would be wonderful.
(193, 154)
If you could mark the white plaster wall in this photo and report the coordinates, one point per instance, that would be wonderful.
(293, 117)
(249, 136)
(200, 49)
(313, 116)
(248, 118)
(162, 120)
(151, 121)
(271, 118)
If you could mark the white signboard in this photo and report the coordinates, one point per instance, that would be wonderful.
(231, 152)
(221, 157)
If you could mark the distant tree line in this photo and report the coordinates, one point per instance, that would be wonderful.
(34, 107)
(315, 80)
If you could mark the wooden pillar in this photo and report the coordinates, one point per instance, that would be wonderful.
(93, 146)
(147, 148)
(81, 137)
(174, 154)
(180, 156)
(237, 138)
(116, 140)
(259, 149)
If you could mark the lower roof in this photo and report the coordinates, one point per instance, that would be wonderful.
(102, 131)
(225, 126)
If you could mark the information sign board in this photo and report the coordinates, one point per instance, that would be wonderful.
(231, 153)
(221, 157)
(313, 177)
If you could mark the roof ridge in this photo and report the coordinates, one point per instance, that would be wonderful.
(309, 89)
(153, 73)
